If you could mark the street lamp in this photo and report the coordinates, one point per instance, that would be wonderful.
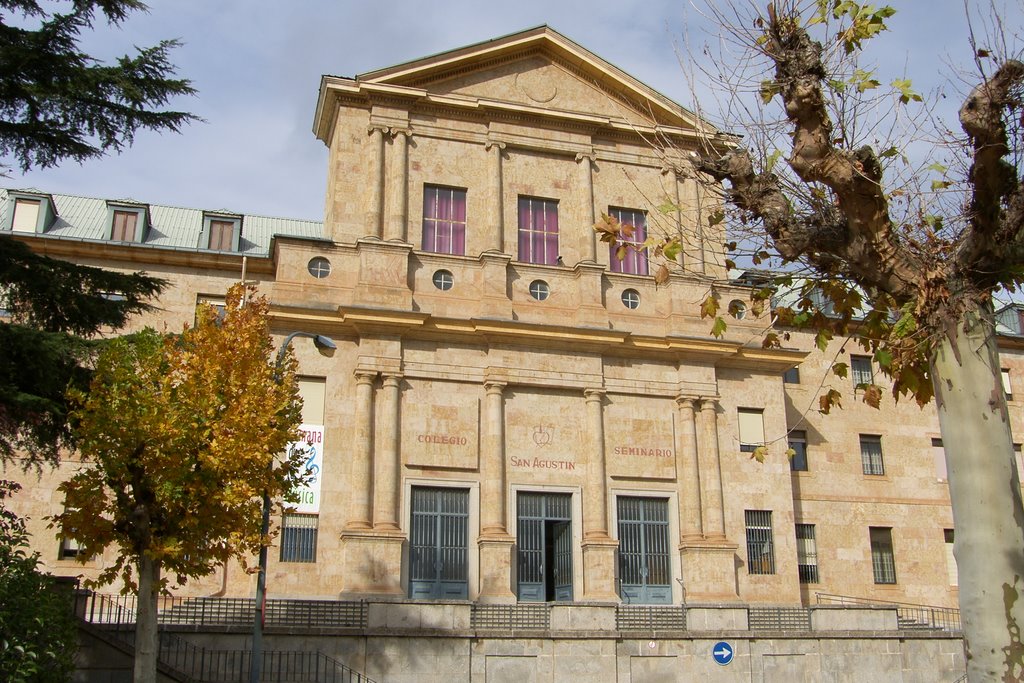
(323, 344)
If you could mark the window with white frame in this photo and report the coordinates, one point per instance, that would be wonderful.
(1007, 386)
(806, 553)
(798, 442)
(298, 537)
(950, 558)
(69, 549)
(26, 214)
(751, 428)
(871, 454)
(538, 230)
(216, 302)
(760, 542)
(860, 369)
(883, 561)
(627, 255)
(444, 220)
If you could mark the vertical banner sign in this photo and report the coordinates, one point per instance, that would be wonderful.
(311, 445)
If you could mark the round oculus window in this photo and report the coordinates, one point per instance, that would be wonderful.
(539, 290)
(443, 280)
(631, 299)
(319, 267)
(737, 309)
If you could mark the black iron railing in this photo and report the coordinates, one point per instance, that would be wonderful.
(909, 615)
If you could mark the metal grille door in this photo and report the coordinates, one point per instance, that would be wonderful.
(644, 568)
(545, 546)
(438, 543)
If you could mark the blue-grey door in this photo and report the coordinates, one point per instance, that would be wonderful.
(544, 546)
(644, 568)
(438, 543)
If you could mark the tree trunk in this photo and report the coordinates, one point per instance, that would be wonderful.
(147, 640)
(984, 489)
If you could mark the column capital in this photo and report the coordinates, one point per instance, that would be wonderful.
(593, 395)
(395, 131)
(708, 403)
(494, 387)
(392, 379)
(376, 128)
(494, 144)
(686, 401)
(365, 376)
(589, 156)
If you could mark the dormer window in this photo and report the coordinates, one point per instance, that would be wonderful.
(29, 213)
(221, 232)
(127, 221)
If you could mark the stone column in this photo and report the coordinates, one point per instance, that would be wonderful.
(681, 258)
(494, 503)
(598, 547)
(361, 466)
(711, 472)
(691, 527)
(375, 214)
(386, 471)
(586, 162)
(497, 196)
(495, 543)
(595, 510)
(398, 184)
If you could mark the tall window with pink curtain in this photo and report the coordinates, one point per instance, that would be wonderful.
(538, 230)
(633, 256)
(444, 220)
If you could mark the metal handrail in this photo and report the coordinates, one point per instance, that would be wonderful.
(945, 618)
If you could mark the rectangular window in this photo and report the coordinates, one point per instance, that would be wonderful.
(298, 537)
(760, 546)
(69, 549)
(871, 454)
(444, 220)
(312, 391)
(751, 425)
(883, 563)
(538, 230)
(222, 235)
(1007, 387)
(218, 304)
(860, 369)
(798, 442)
(806, 553)
(791, 376)
(123, 229)
(26, 215)
(939, 456)
(628, 255)
(950, 558)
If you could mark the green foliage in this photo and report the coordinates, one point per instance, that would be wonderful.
(183, 434)
(38, 637)
(58, 103)
(54, 308)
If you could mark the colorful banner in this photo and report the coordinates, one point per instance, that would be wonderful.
(311, 445)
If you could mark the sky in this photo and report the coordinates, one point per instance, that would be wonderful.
(257, 65)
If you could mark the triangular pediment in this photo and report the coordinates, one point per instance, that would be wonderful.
(540, 69)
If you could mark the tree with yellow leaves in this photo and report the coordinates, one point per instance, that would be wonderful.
(183, 435)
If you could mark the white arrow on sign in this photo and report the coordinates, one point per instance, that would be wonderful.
(724, 652)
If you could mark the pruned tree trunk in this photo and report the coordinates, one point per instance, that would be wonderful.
(147, 639)
(984, 489)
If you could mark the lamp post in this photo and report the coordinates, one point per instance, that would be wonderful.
(323, 344)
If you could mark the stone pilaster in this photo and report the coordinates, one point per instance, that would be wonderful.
(598, 547)
(711, 472)
(495, 543)
(497, 196)
(375, 212)
(398, 185)
(386, 465)
(362, 465)
(586, 165)
(688, 477)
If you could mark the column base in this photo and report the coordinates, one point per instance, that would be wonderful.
(496, 568)
(599, 556)
(371, 562)
(709, 571)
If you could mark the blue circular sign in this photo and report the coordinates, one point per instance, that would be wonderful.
(722, 652)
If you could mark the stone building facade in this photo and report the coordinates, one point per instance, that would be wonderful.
(512, 413)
